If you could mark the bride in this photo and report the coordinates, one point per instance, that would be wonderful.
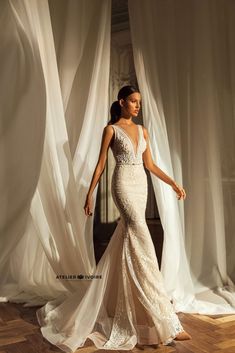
(129, 305)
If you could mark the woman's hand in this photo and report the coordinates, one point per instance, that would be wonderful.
(179, 190)
(88, 205)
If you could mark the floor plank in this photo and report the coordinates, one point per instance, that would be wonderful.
(20, 333)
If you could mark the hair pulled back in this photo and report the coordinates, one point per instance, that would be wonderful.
(115, 110)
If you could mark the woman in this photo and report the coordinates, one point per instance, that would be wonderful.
(129, 306)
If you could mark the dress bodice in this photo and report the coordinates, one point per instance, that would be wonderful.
(123, 147)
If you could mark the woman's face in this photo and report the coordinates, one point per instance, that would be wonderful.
(131, 105)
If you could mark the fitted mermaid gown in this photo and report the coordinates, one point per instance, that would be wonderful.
(129, 304)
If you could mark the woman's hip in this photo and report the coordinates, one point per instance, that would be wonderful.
(129, 191)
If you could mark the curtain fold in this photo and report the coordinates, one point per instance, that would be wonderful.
(54, 91)
(23, 111)
(182, 53)
(58, 237)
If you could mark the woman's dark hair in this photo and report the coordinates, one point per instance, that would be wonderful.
(115, 110)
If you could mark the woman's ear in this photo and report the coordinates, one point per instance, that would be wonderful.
(121, 102)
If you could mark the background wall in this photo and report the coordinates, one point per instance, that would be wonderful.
(122, 72)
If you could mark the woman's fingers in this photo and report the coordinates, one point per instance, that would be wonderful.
(87, 209)
(181, 193)
(88, 212)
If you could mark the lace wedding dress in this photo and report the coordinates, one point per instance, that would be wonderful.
(129, 304)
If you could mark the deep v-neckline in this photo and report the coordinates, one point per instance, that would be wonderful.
(135, 151)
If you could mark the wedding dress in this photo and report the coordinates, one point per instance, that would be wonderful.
(129, 304)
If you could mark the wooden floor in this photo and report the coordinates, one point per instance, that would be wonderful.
(20, 333)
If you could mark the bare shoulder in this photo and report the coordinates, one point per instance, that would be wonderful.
(108, 129)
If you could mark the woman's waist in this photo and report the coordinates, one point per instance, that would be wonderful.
(123, 164)
(129, 171)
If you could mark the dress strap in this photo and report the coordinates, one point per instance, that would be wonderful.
(114, 129)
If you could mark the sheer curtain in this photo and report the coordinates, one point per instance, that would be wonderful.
(52, 128)
(184, 59)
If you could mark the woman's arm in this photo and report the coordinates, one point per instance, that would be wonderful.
(105, 143)
(151, 166)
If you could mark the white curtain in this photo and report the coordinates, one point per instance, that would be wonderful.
(54, 66)
(184, 56)
(54, 112)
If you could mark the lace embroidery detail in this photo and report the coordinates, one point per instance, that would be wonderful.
(139, 261)
(123, 149)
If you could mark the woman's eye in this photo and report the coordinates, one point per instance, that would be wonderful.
(135, 102)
